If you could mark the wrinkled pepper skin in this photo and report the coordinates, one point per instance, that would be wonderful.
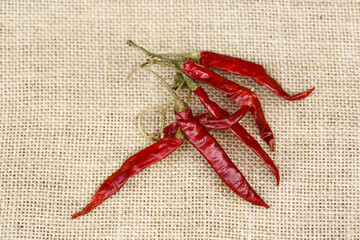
(210, 123)
(211, 150)
(228, 121)
(248, 69)
(238, 131)
(133, 165)
(235, 92)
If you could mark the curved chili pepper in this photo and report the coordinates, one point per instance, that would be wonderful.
(238, 131)
(227, 121)
(211, 150)
(209, 123)
(235, 92)
(241, 67)
(133, 165)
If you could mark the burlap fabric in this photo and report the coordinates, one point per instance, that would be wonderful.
(68, 120)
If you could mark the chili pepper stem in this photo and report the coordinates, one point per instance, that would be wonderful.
(251, 88)
(179, 134)
(180, 105)
(191, 83)
(132, 72)
(172, 63)
(163, 112)
(150, 54)
(195, 56)
(154, 137)
(188, 97)
(178, 79)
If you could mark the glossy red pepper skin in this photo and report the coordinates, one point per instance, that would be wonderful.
(211, 150)
(235, 92)
(171, 129)
(209, 123)
(248, 69)
(238, 131)
(133, 165)
(226, 122)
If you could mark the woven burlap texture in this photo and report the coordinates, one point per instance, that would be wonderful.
(68, 119)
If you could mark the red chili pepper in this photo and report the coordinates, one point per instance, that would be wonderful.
(235, 92)
(238, 131)
(207, 122)
(249, 69)
(242, 67)
(227, 121)
(211, 150)
(171, 129)
(133, 165)
(151, 155)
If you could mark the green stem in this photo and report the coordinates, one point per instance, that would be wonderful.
(163, 112)
(177, 65)
(150, 54)
(188, 97)
(178, 79)
(141, 129)
(167, 62)
(251, 88)
(180, 105)
(192, 56)
(191, 83)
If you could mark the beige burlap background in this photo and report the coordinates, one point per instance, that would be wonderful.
(68, 120)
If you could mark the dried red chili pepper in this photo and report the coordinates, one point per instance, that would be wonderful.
(241, 67)
(235, 92)
(209, 123)
(226, 122)
(133, 165)
(238, 131)
(245, 68)
(211, 150)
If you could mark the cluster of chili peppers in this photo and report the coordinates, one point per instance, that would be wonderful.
(190, 67)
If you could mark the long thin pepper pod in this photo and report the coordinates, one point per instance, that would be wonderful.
(242, 67)
(133, 165)
(248, 69)
(239, 131)
(211, 150)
